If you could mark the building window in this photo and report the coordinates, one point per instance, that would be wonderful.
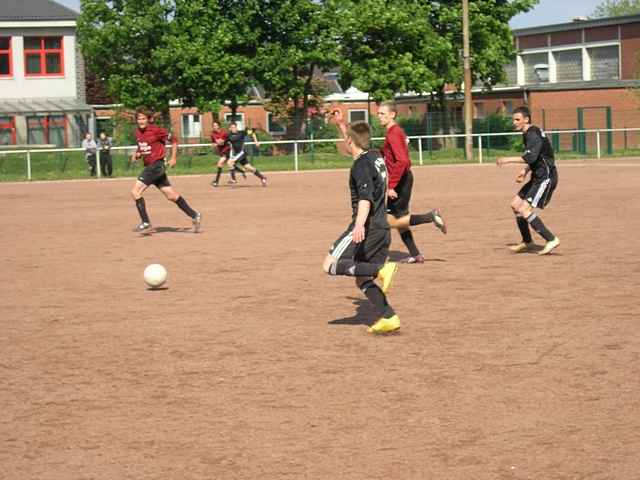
(239, 119)
(45, 130)
(7, 131)
(273, 126)
(191, 126)
(5, 57)
(605, 63)
(568, 65)
(511, 73)
(43, 56)
(478, 110)
(533, 67)
(508, 107)
(358, 116)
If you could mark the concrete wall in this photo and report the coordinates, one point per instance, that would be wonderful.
(20, 86)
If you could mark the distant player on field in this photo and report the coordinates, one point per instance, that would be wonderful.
(536, 193)
(151, 141)
(220, 140)
(239, 155)
(361, 251)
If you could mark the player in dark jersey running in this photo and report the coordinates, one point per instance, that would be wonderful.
(361, 251)
(151, 141)
(396, 157)
(239, 155)
(536, 193)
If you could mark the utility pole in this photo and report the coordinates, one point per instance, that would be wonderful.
(468, 101)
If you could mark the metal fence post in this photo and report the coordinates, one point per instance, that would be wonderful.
(480, 149)
(29, 164)
(98, 168)
(598, 152)
(295, 156)
(420, 150)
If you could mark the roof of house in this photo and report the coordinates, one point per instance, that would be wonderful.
(576, 25)
(35, 10)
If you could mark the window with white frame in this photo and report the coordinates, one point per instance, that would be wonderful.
(273, 126)
(358, 116)
(191, 125)
(238, 118)
(605, 63)
(568, 65)
(511, 73)
(533, 67)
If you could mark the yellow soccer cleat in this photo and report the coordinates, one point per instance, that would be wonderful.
(386, 274)
(522, 247)
(385, 325)
(550, 245)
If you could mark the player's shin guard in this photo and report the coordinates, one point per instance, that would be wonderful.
(218, 173)
(232, 172)
(377, 298)
(523, 226)
(258, 174)
(142, 210)
(420, 219)
(354, 269)
(184, 206)
(407, 239)
(538, 226)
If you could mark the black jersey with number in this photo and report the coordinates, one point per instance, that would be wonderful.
(538, 152)
(237, 141)
(368, 181)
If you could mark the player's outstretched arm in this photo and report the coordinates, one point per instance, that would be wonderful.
(506, 160)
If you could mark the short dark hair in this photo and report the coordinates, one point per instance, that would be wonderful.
(232, 124)
(144, 111)
(524, 111)
(360, 133)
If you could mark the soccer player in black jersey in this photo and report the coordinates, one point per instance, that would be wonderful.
(536, 193)
(238, 154)
(361, 251)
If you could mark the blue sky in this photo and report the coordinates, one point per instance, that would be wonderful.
(545, 13)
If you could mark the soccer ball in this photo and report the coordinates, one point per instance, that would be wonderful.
(155, 275)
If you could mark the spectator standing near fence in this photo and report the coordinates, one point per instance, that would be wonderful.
(90, 149)
(106, 163)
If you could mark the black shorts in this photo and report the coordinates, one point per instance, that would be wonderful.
(241, 158)
(399, 207)
(374, 248)
(538, 191)
(155, 174)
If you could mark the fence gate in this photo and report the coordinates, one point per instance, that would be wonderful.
(593, 118)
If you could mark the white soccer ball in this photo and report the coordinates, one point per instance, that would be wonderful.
(155, 275)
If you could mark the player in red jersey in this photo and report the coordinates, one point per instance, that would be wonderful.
(220, 140)
(396, 158)
(151, 141)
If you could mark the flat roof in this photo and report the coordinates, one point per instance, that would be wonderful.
(576, 25)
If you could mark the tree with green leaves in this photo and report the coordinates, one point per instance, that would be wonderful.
(123, 43)
(211, 49)
(617, 8)
(297, 40)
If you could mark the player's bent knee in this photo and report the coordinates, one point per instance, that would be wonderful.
(329, 265)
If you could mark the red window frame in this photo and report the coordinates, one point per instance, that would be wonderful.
(42, 51)
(10, 126)
(46, 120)
(7, 52)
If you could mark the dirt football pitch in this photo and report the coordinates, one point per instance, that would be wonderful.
(253, 364)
